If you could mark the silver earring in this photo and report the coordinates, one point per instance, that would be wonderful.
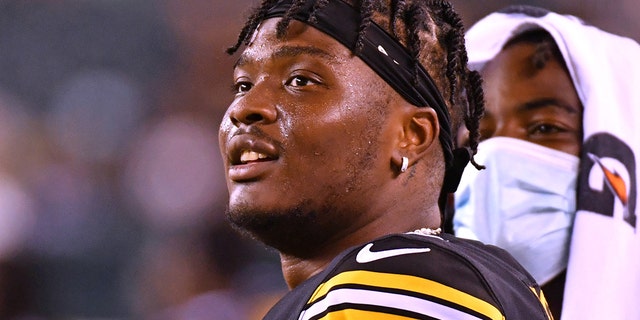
(405, 164)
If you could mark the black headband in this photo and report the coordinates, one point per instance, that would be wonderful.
(390, 60)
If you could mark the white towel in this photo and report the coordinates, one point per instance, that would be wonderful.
(603, 278)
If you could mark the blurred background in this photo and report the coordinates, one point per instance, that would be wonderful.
(112, 194)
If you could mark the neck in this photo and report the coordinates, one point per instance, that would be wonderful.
(297, 269)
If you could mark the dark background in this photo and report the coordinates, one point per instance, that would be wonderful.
(111, 190)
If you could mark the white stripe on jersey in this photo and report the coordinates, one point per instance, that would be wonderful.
(385, 299)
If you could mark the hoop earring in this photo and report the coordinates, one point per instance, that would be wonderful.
(405, 164)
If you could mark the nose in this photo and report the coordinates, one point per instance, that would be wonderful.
(254, 107)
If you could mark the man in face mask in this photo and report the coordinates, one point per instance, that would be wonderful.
(556, 106)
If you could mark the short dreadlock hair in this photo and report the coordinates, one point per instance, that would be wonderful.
(430, 30)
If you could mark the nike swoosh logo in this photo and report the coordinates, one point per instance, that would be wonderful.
(366, 255)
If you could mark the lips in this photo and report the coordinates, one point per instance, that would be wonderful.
(250, 156)
(247, 148)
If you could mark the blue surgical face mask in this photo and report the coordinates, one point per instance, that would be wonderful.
(524, 202)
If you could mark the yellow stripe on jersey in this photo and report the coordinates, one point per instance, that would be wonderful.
(408, 283)
(543, 301)
(361, 314)
(368, 298)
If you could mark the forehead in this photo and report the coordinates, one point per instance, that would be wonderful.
(513, 73)
(513, 62)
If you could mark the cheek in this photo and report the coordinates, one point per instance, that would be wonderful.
(223, 133)
(335, 130)
(569, 145)
(321, 137)
(326, 141)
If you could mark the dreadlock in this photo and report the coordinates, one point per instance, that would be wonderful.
(316, 6)
(473, 115)
(465, 86)
(252, 23)
(413, 19)
(470, 81)
(366, 12)
(430, 30)
(397, 10)
(286, 19)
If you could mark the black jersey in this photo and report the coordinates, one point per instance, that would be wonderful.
(416, 276)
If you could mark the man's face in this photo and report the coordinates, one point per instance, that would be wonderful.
(302, 140)
(540, 106)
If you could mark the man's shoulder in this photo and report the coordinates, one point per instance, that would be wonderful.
(429, 255)
(460, 264)
(416, 275)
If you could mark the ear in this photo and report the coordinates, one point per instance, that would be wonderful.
(420, 129)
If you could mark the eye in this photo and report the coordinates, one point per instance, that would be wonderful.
(299, 81)
(545, 129)
(241, 87)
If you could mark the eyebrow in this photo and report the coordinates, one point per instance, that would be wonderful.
(290, 52)
(548, 102)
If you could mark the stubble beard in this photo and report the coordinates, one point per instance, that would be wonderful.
(297, 231)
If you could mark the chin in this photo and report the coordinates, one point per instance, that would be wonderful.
(294, 231)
